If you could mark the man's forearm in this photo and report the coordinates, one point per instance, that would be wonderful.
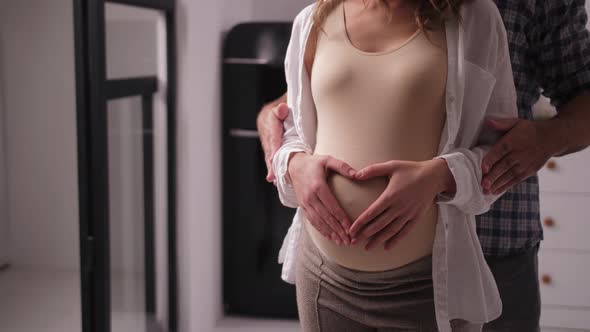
(569, 131)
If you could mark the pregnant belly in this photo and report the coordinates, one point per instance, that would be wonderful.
(355, 197)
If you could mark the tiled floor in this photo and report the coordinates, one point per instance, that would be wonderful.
(33, 301)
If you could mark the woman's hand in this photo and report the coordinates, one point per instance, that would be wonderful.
(308, 176)
(412, 189)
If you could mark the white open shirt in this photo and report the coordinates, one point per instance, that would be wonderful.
(479, 84)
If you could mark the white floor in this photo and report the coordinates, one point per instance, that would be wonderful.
(33, 301)
(39, 302)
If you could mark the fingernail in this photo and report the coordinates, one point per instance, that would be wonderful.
(354, 241)
(346, 241)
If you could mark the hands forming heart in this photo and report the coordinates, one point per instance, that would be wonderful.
(412, 189)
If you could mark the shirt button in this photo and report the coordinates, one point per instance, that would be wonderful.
(452, 99)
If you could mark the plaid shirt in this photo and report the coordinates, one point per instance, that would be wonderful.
(550, 52)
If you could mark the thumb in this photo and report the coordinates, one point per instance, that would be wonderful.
(281, 111)
(383, 169)
(501, 124)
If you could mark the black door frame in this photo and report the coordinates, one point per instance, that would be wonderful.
(93, 90)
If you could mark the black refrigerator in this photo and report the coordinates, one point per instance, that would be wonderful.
(254, 220)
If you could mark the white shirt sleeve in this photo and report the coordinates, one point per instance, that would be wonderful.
(465, 164)
(292, 141)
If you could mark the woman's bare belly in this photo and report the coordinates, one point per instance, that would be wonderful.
(355, 197)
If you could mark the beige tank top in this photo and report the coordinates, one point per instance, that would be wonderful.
(372, 108)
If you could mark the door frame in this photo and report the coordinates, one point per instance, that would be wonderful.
(93, 90)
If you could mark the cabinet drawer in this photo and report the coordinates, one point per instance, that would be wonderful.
(566, 174)
(566, 221)
(559, 319)
(564, 277)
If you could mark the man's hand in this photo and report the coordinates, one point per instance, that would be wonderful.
(520, 153)
(412, 189)
(308, 175)
(270, 127)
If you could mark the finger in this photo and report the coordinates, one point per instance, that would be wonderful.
(385, 234)
(501, 124)
(406, 229)
(313, 219)
(382, 169)
(271, 133)
(271, 143)
(369, 214)
(503, 180)
(516, 180)
(270, 175)
(377, 225)
(269, 155)
(498, 171)
(281, 111)
(496, 153)
(276, 137)
(327, 218)
(340, 167)
(327, 198)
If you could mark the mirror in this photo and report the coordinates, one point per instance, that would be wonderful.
(61, 145)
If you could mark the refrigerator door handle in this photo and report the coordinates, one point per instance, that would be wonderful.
(246, 61)
(243, 133)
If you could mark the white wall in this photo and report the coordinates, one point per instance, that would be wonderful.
(200, 28)
(40, 132)
(259, 10)
(4, 216)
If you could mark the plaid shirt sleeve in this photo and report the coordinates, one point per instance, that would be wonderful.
(563, 43)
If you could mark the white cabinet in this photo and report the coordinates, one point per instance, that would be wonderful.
(564, 258)
(558, 174)
(565, 276)
(566, 221)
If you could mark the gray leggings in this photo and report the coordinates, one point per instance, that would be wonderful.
(331, 297)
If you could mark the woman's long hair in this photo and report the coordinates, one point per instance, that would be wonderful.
(427, 11)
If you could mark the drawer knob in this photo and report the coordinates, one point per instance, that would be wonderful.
(551, 164)
(549, 222)
(546, 279)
